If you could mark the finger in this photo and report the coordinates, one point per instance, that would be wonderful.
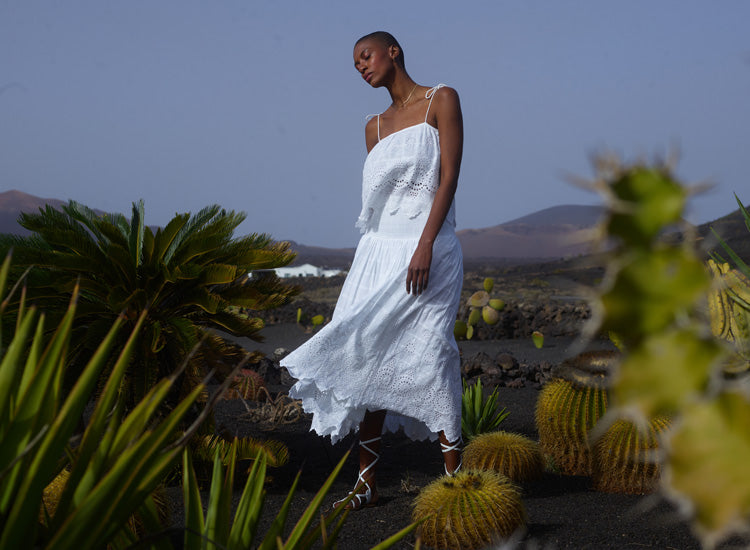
(408, 281)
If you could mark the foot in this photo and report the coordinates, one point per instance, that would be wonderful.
(364, 493)
(452, 456)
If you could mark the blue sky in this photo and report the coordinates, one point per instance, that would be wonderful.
(255, 105)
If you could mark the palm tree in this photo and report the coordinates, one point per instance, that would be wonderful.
(190, 276)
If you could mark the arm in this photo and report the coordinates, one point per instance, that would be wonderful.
(448, 119)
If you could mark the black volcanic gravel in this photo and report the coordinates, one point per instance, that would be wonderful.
(563, 511)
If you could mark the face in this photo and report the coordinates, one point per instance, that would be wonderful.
(374, 61)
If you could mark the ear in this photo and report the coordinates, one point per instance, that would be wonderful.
(393, 51)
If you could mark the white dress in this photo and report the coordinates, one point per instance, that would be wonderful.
(384, 348)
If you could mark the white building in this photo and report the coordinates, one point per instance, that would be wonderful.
(306, 270)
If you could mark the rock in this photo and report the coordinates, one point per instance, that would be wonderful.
(506, 361)
(476, 365)
(280, 353)
(286, 378)
(516, 383)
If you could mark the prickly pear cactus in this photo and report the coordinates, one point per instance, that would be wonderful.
(651, 298)
(481, 308)
(569, 407)
(626, 457)
(513, 455)
(469, 510)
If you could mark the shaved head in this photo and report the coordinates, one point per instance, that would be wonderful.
(387, 39)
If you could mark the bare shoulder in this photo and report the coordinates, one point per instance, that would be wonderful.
(446, 94)
(446, 105)
(371, 133)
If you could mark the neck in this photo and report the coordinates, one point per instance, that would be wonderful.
(400, 89)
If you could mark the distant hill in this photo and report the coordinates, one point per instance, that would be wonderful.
(569, 214)
(557, 232)
(13, 202)
(732, 229)
(321, 256)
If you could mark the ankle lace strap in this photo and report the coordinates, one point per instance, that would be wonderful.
(455, 446)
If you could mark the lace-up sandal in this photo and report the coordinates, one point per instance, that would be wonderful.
(362, 499)
(455, 446)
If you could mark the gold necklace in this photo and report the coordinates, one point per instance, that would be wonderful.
(403, 104)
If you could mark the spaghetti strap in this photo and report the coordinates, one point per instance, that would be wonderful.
(430, 94)
(370, 117)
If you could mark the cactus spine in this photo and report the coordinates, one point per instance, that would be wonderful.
(513, 455)
(469, 510)
(625, 458)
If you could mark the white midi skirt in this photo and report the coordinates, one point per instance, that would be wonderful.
(386, 349)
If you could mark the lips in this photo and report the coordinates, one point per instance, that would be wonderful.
(367, 77)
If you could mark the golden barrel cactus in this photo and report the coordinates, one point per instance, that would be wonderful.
(469, 510)
(513, 455)
(625, 458)
(569, 407)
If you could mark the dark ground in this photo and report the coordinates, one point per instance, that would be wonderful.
(563, 511)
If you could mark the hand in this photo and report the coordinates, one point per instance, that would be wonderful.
(419, 269)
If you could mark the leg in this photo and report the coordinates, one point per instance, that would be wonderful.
(369, 452)
(451, 453)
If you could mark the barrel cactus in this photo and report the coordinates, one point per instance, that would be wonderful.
(469, 510)
(625, 457)
(248, 385)
(729, 310)
(513, 455)
(568, 408)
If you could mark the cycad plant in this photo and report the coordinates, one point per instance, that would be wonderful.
(189, 277)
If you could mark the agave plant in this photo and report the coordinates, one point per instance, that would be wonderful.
(113, 466)
(218, 530)
(189, 277)
(479, 415)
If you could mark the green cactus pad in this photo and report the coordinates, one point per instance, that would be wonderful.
(538, 339)
(479, 299)
(474, 316)
(625, 458)
(513, 455)
(488, 284)
(497, 303)
(469, 510)
(459, 329)
(565, 414)
(490, 315)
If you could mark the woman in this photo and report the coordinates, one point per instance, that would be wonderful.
(389, 347)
